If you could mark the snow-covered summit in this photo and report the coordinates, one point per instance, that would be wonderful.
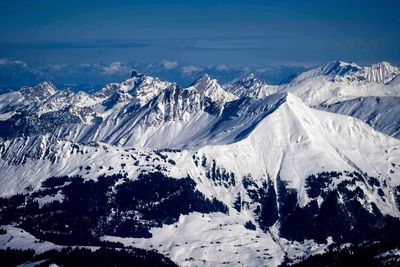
(140, 87)
(338, 81)
(331, 69)
(382, 72)
(39, 92)
(341, 71)
(210, 88)
(250, 86)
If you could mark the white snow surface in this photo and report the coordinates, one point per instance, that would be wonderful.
(17, 238)
(382, 113)
(215, 239)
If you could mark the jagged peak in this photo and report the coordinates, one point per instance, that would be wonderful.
(250, 86)
(39, 92)
(249, 80)
(45, 85)
(140, 88)
(210, 88)
(382, 72)
(203, 84)
(202, 81)
(136, 73)
(249, 76)
(384, 64)
(338, 68)
(205, 76)
(330, 69)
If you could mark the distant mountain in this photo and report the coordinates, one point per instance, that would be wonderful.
(331, 69)
(250, 86)
(382, 72)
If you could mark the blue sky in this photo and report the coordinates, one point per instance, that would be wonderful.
(200, 33)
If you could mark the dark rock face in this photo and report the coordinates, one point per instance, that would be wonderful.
(90, 209)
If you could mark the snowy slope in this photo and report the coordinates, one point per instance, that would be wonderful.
(295, 141)
(382, 113)
(369, 93)
(26, 162)
(322, 90)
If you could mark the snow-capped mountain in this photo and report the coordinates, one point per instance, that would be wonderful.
(331, 69)
(40, 92)
(250, 86)
(338, 81)
(210, 88)
(244, 173)
(118, 114)
(382, 72)
(341, 71)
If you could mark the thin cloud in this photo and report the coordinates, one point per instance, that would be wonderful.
(169, 64)
(5, 61)
(115, 67)
(75, 45)
(189, 70)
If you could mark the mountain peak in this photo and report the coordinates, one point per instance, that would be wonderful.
(338, 68)
(39, 92)
(210, 88)
(382, 72)
(384, 64)
(135, 73)
(202, 80)
(204, 83)
(330, 70)
(250, 86)
(250, 76)
(139, 87)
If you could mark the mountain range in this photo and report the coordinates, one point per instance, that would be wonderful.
(243, 173)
